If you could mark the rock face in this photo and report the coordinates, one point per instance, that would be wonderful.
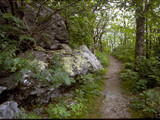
(50, 33)
(29, 90)
(8, 110)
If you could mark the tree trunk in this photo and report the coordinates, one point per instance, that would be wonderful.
(125, 35)
(94, 47)
(140, 20)
(101, 47)
(147, 41)
(158, 32)
(150, 40)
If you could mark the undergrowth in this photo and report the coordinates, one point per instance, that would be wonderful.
(142, 81)
(124, 53)
(101, 56)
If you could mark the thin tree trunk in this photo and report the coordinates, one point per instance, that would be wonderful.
(158, 32)
(94, 48)
(147, 41)
(101, 46)
(150, 40)
(125, 35)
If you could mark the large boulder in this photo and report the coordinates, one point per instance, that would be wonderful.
(80, 61)
(9, 110)
(91, 58)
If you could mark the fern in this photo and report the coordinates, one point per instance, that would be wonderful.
(24, 37)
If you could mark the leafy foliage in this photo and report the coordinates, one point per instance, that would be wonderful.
(142, 75)
(146, 104)
(125, 53)
(102, 57)
(23, 115)
(58, 111)
(59, 76)
(11, 39)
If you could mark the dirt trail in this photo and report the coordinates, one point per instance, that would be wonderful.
(115, 103)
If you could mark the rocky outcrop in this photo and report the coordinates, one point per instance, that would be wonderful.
(50, 33)
(9, 110)
(47, 27)
(40, 90)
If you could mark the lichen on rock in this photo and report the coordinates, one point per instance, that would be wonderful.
(40, 64)
(80, 62)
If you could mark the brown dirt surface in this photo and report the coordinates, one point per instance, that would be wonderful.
(115, 103)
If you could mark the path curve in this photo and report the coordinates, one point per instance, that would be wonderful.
(115, 104)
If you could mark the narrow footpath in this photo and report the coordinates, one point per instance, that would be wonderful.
(115, 104)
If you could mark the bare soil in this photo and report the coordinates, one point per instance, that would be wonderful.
(115, 103)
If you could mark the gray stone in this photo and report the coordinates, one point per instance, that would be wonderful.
(91, 58)
(8, 110)
(80, 62)
(2, 89)
(29, 89)
(55, 46)
(66, 47)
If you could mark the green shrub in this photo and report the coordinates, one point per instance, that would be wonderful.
(11, 38)
(59, 76)
(58, 111)
(125, 53)
(147, 104)
(85, 79)
(24, 115)
(102, 57)
(142, 75)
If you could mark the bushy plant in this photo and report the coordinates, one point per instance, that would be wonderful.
(24, 115)
(85, 79)
(125, 52)
(142, 75)
(59, 76)
(58, 111)
(102, 57)
(11, 38)
(147, 103)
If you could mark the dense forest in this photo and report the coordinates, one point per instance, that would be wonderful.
(54, 55)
